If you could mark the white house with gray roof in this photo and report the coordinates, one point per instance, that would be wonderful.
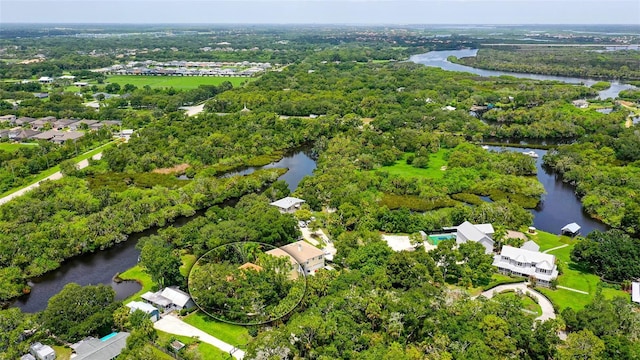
(480, 233)
(42, 352)
(288, 204)
(528, 263)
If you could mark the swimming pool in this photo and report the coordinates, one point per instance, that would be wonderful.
(436, 238)
(107, 337)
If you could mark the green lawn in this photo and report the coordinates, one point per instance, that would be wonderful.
(62, 352)
(436, 162)
(572, 277)
(138, 274)
(206, 351)
(44, 174)
(187, 263)
(527, 302)
(177, 82)
(233, 334)
(13, 146)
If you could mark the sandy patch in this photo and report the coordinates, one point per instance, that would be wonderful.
(178, 169)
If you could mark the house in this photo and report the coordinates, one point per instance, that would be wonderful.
(41, 95)
(288, 204)
(46, 135)
(62, 123)
(95, 127)
(4, 133)
(45, 80)
(80, 84)
(296, 268)
(580, 104)
(522, 262)
(150, 310)
(572, 229)
(24, 120)
(309, 257)
(20, 134)
(480, 233)
(42, 122)
(27, 357)
(169, 298)
(448, 108)
(8, 118)
(63, 136)
(107, 348)
(531, 246)
(78, 125)
(635, 292)
(126, 134)
(42, 352)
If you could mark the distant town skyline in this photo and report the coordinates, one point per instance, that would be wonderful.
(322, 11)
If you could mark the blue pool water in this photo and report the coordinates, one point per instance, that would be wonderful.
(435, 239)
(107, 337)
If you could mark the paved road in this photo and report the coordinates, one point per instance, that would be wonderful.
(172, 325)
(545, 304)
(55, 176)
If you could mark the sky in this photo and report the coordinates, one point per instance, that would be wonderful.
(322, 11)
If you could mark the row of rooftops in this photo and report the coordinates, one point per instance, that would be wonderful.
(59, 124)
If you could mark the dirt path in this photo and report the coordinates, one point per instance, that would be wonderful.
(555, 248)
(172, 325)
(55, 176)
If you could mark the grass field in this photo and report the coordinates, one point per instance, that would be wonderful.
(13, 146)
(177, 82)
(527, 302)
(436, 162)
(572, 277)
(206, 351)
(187, 263)
(138, 274)
(233, 334)
(62, 352)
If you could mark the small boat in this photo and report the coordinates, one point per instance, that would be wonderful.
(530, 153)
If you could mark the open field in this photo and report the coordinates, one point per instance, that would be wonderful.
(572, 275)
(13, 146)
(177, 82)
(436, 162)
(235, 335)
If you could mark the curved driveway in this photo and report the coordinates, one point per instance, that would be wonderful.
(545, 304)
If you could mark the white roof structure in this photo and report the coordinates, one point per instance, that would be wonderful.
(176, 296)
(485, 228)
(530, 245)
(42, 351)
(469, 232)
(287, 203)
(635, 292)
(142, 306)
(156, 298)
(572, 228)
(524, 255)
(526, 262)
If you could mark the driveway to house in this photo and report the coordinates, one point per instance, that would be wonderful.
(545, 304)
(172, 325)
(55, 176)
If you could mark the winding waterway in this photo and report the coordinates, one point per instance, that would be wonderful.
(439, 59)
(101, 266)
(559, 205)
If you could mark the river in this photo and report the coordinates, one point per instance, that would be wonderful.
(101, 266)
(439, 59)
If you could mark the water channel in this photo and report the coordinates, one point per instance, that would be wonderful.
(559, 206)
(100, 267)
(439, 59)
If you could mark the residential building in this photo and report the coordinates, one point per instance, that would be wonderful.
(480, 233)
(150, 310)
(522, 262)
(42, 352)
(63, 136)
(531, 246)
(27, 357)
(169, 298)
(79, 124)
(46, 135)
(62, 123)
(8, 118)
(309, 257)
(24, 120)
(107, 348)
(21, 134)
(635, 292)
(296, 268)
(288, 204)
(45, 80)
(126, 134)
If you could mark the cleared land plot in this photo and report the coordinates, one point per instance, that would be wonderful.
(434, 170)
(235, 335)
(177, 82)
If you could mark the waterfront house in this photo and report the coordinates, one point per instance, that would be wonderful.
(169, 298)
(480, 233)
(42, 352)
(288, 204)
(106, 348)
(522, 262)
(150, 310)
